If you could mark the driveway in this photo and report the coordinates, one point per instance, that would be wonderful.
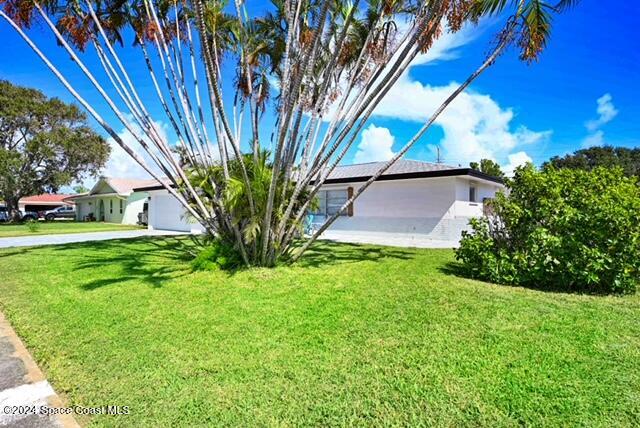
(31, 241)
(388, 239)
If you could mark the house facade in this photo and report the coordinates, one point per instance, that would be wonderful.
(416, 199)
(112, 200)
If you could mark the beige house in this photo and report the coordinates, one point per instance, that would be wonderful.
(112, 200)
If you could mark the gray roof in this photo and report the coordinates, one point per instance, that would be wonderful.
(402, 166)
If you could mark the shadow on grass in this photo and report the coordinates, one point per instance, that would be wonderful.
(14, 251)
(167, 259)
(331, 252)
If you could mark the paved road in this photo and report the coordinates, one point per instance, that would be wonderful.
(30, 241)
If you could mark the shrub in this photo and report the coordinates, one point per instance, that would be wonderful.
(33, 226)
(217, 255)
(569, 230)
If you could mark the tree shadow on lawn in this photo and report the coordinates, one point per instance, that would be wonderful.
(170, 257)
(14, 251)
(331, 252)
(168, 260)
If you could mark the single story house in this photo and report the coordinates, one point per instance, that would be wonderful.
(112, 200)
(413, 198)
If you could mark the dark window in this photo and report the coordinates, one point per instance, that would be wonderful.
(110, 206)
(472, 193)
(330, 201)
(121, 206)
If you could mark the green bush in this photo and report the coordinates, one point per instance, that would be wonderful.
(217, 255)
(33, 226)
(569, 230)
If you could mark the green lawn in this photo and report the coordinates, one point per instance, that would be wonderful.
(60, 226)
(354, 335)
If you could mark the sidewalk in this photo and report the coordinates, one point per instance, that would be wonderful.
(23, 384)
(32, 241)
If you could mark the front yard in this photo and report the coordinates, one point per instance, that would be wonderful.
(8, 230)
(354, 335)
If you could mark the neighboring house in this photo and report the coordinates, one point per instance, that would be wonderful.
(112, 200)
(44, 202)
(413, 198)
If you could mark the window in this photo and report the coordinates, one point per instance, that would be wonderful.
(330, 202)
(121, 206)
(110, 206)
(472, 193)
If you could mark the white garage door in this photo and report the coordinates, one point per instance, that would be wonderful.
(169, 214)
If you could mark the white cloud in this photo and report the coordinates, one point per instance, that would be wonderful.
(516, 160)
(606, 112)
(375, 145)
(594, 139)
(121, 165)
(475, 126)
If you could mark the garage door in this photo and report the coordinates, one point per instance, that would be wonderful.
(168, 214)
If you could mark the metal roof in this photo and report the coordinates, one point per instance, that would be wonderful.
(402, 166)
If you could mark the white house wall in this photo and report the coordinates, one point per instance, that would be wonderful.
(433, 208)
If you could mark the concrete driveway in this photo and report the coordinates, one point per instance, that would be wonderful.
(406, 240)
(31, 241)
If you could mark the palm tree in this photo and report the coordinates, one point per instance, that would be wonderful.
(315, 56)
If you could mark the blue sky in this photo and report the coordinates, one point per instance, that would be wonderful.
(513, 113)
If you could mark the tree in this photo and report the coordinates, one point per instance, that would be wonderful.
(593, 157)
(80, 189)
(488, 166)
(333, 62)
(44, 144)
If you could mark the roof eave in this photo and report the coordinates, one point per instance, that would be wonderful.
(455, 172)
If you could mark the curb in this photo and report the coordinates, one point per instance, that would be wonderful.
(35, 387)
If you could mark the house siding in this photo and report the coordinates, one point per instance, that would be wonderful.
(432, 208)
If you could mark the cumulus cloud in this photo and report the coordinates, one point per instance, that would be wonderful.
(594, 139)
(475, 126)
(121, 165)
(516, 160)
(606, 112)
(375, 145)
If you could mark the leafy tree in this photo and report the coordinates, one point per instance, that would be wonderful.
(333, 62)
(593, 157)
(44, 144)
(563, 229)
(488, 166)
(80, 189)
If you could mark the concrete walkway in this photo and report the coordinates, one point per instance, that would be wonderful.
(24, 391)
(31, 241)
(388, 239)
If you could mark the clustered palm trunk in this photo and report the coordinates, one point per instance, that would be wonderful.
(329, 62)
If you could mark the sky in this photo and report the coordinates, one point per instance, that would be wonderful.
(582, 92)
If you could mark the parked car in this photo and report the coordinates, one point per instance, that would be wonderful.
(24, 216)
(60, 212)
(29, 215)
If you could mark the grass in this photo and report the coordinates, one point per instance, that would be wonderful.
(354, 335)
(8, 230)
